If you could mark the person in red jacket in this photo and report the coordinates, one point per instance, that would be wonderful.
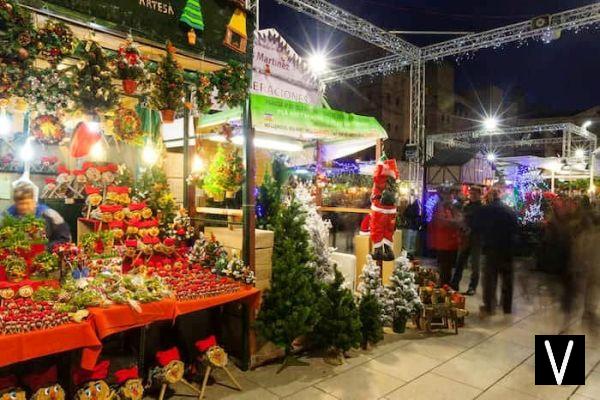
(444, 233)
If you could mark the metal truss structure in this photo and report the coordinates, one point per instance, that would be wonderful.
(341, 19)
(569, 135)
(545, 28)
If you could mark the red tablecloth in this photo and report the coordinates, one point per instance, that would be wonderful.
(119, 318)
(250, 294)
(104, 322)
(30, 345)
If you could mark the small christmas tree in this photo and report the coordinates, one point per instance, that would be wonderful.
(288, 310)
(268, 200)
(402, 298)
(225, 173)
(339, 327)
(94, 91)
(318, 231)
(153, 187)
(371, 313)
(372, 300)
(168, 83)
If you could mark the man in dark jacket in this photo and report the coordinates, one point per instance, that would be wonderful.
(498, 226)
(471, 250)
(25, 203)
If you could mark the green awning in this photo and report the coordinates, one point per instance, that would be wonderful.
(300, 121)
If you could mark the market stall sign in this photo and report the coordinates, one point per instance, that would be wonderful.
(161, 20)
(303, 121)
(278, 71)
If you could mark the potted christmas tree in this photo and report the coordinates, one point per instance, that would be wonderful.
(371, 303)
(225, 174)
(339, 328)
(129, 66)
(402, 298)
(167, 95)
(289, 309)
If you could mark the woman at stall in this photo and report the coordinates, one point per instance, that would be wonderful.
(25, 203)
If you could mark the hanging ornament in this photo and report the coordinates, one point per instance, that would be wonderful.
(85, 136)
(192, 16)
(47, 129)
(236, 37)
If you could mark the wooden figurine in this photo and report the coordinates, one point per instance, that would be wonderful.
(91, 384)
(129, 384)
(9, 389)
(170, 371)
(44, 386)
(213, 356)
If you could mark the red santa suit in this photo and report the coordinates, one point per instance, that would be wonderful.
(383, 208)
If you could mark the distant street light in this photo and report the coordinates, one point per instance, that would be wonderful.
(317, 62)
(490, 123)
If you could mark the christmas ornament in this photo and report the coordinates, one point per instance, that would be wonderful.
(130, 66)
(49, 90)
(192, 16)
(84, 137)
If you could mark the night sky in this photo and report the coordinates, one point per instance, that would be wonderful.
(560, 77)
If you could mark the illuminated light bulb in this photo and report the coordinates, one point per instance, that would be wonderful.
(97, 151)
(580, 153)
(197, 164)
(5, 123)
(317, 62)
(490, 123)
(26, 153)
(586, 124)
(491, 157)
(94, 126)
(149, 154)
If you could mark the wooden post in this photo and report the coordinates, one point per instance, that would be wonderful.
(378, 149)
(186, 154)
(249, 201)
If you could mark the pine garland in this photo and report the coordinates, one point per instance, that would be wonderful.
(232, 84)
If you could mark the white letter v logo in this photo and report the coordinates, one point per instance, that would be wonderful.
(559, 375)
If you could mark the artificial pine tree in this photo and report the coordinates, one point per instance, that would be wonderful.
(153, 187)
(268, 202)
(372, 300)
(289, 309)
(318, 231)
(339, 327)
(94, 91)
(168, 83)
(402, 298)
(225, 173)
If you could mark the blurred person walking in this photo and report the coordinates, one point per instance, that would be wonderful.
(498, 226)
(443, 231)
(471, 248)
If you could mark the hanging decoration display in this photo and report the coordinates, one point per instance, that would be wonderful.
(225, 174)
(167, 95)
(47, 129)
(94, 91)
(130, 66)
(383, 208)
(232, 84)
(84, 137)
(192, 16)
(204, 91)
(236, 36)
(49, 90)
(54, 41)
(18, 47)
(127, 126)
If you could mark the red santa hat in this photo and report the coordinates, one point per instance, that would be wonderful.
(204, 344)
(125, 374)
(163, 358)
(40, 379)
(83, 139)
(100, 371)
(387, 167)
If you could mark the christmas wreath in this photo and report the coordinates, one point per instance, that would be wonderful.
(47, 129)
(94, 91)
(54, 41)
(127, 125)
(49, 90)
(232, 84)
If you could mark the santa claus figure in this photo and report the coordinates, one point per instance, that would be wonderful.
(383, 209)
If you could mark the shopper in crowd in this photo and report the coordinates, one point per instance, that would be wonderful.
(412, 220)
(25, 203)
(444, 232)
(497, 224)
(471, 245)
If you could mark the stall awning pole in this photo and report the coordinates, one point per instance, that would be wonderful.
(249, 201)
(186, 154)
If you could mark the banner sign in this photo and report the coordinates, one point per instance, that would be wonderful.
(211, 21)
(303, 121)
(278, 71)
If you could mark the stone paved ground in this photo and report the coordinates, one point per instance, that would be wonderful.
(488, 359)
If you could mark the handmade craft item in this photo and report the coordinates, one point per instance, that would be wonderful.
(213, 356)
(92, 384)
(128, 384)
